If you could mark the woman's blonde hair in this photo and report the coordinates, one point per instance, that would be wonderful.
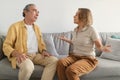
(85, 16)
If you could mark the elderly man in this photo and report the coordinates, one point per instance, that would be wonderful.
(25, 47)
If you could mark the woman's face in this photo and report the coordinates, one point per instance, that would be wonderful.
(76, 18)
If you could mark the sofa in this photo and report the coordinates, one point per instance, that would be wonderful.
(107, 68)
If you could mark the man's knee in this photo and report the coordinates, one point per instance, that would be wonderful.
(27, 66)
(53, 59)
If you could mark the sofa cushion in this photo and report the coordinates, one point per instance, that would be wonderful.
(104, 36)
(115, 36)
(48, 39)
(115, 47)
(105, 68)
(1, 44)
(8, 73)
(1, 54)
(61, 46)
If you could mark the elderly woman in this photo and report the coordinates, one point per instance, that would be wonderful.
(82, 60)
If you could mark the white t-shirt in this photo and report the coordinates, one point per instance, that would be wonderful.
(32, 44)
(83, 41)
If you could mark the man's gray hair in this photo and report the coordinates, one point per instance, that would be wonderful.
(27, 8)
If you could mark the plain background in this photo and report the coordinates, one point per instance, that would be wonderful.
(57, 15)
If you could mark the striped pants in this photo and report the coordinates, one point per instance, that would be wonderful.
(72, 67)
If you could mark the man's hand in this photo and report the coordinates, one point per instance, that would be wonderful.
(45, 54)
(20, 57)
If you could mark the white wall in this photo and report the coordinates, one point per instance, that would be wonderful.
(57, 15)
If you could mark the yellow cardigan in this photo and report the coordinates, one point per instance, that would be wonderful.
(16, 39)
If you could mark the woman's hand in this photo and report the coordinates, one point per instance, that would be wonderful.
(62, 38)
(65, 39)
(106, 48)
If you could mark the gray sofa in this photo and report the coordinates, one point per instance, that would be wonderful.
(106, 69)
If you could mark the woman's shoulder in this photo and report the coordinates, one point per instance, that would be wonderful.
(75, 29)
(91, 28)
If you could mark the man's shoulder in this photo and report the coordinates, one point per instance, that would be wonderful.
(36, 25)
(18, 22)
(17, 25)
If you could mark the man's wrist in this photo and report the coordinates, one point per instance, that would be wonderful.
(43, 50)
(14, 53)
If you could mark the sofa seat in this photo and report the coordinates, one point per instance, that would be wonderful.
(105, 68)
(7, 73)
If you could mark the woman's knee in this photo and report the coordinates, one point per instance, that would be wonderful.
(63, 62)
(70, 71)
(73, 71)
